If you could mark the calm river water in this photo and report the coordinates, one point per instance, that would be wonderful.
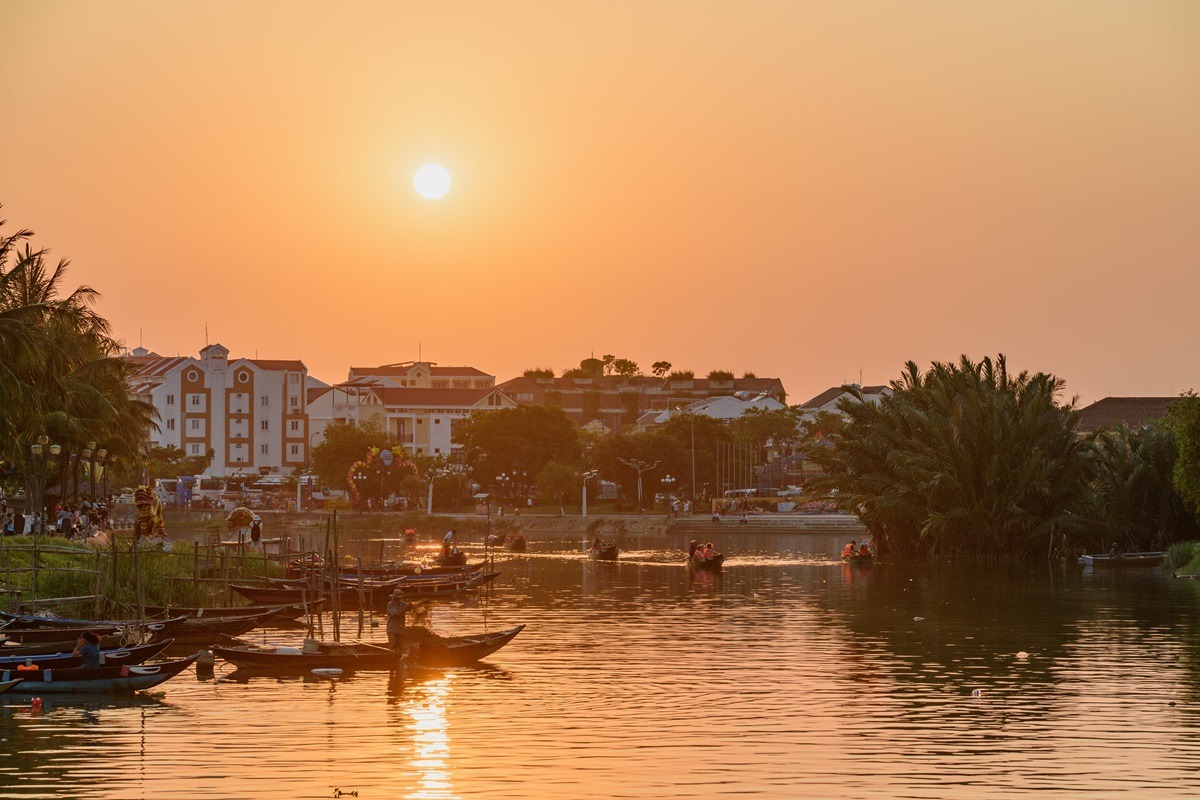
(787, 676)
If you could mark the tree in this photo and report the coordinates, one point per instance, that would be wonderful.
(964, 459)
(517, 442)
(608, 362)
(682, 375)
(171, 462)
(720, 375)
(1183, 419)
(341, 446)
(538, 372)
(699, 435)
(660, 368)
(625, 368)
(1136, 501)
(556, 480)
(658, 453)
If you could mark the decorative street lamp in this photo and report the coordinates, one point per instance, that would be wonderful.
(640, 466)
(505, 480)
(589, 474)
(668, 480)
(359, 479)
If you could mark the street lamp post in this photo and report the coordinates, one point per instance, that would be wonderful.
(589, 474)
(359, 479)
(504, 479)
(640, 466)
(669, 481)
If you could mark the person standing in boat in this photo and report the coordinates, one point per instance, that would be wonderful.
(396, 609)
(256, 532)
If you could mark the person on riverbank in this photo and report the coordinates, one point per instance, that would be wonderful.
(396, 608)
(88, 647)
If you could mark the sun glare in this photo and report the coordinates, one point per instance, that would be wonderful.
(432, 181)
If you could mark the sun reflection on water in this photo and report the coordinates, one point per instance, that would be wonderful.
(431, 742)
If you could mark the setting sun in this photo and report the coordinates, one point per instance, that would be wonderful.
(432, 181)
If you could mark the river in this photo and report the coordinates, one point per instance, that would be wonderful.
(788, 675)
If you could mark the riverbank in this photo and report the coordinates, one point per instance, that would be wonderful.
(198, 525)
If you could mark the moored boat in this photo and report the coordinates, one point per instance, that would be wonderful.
(6, 685)
(72, 629)
(1145, 559)
(430, 650)
(277, 612)
(66, 658)
(123, 678)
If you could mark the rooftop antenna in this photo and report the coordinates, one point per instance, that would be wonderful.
(860, 375)
(418, 349)
(206, 333)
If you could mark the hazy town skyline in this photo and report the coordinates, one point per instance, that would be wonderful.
(797, 189)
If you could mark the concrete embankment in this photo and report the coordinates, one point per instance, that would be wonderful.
(199, 525)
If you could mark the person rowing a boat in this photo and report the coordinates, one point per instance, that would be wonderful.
(864, 549)
(396, 608)
(1115, 552)
(849, 550)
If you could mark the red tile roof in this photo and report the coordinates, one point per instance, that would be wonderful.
(276, 365)
(1134, 412)
(431, 397)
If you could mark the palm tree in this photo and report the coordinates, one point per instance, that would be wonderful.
(964, 459)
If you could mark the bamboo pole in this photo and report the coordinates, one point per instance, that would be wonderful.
(361, 599)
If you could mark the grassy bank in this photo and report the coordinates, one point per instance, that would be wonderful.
(106, 575)
(1183, 558)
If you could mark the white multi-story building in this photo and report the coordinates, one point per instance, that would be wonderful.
(252, 414)
(417, 403)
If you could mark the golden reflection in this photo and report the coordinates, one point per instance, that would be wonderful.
(431, 741)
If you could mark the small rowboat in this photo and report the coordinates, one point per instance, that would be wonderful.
(350, 656)
(1147, 559)
(6, 685)
(97, 679)
(284, 613)
(864, 560)
(710, 564)
(458, 559)
(608, 552)
(110, 657)
(72, 629)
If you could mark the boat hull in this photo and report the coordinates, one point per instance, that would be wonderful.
(124, 679)
(1148, 559)
(713, 564)
(60, 660)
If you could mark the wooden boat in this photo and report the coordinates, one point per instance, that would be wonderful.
(375, 594)
(112, 641)
(431, 651)
(607, 552)
(712, 564)
(125, 678)
(862, 560)
(156, 628)
(349, 656)
(6, 685)
(207, 630)
(516, 544)
(109, 657)
(455, 651)
(274, 613)
(1147, 559)
(458, 559)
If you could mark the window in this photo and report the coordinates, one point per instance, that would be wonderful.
(294, 401)
(294, 449)
(441, 384)
(266, 400)
(193, 399)
(293, 377)
(437, 450)
(462, 384)
(265, 425)
(525, 397)
(265, 450)
(193, 449)
(195, 424)
(192, 376)
(170, 424)
(294, 426)
(170, 399)
(437, 422)
(244, 377)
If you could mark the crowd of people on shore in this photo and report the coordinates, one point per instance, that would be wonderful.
(69, 520)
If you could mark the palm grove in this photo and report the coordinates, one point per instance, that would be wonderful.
(63, 384)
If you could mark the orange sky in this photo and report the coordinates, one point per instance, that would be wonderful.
(798, 189)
